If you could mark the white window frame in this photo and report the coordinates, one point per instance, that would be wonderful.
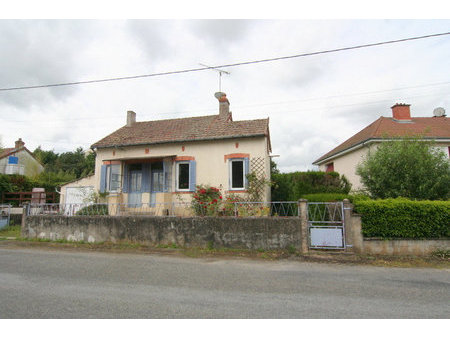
(108, 177)
(177, 181)
(230, 170)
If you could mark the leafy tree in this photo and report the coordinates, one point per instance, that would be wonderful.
(273, 168)
(408, 167)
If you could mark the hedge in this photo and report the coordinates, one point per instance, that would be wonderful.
(292, 186)
(402, 218)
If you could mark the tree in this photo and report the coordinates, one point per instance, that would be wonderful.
(407, 167)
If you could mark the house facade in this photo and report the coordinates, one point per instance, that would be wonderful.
(345, 157)
(19, 160)
(162, 161)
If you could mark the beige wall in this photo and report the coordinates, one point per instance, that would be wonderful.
(347, 163)
(211, 168)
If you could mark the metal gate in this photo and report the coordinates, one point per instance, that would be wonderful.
(326, 226)
(5, 211)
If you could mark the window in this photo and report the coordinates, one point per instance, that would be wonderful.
(329, 167)
(112, 177)
(182, 175)
(237, 170)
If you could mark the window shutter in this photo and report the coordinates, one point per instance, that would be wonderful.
(146, 177)
(246, 171)
(125, 178)
(103, 178)
(192, 175)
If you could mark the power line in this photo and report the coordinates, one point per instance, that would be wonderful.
(225, 65)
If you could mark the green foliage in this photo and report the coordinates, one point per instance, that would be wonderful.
(292, 186)
(256, 187)
(409, 167)
(74, 163)
(206, 201)
(93, 210)
(326, 197)
(403, 218)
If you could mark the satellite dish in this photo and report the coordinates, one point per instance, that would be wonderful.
(438, 112)
(218, 95)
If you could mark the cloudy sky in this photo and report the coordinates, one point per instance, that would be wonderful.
(314, 103)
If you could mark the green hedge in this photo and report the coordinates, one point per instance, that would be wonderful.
(292, 186)
(402, 218)
(327, 197)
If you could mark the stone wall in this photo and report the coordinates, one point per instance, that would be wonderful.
(245, 233)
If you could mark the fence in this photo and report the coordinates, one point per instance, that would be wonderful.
(18, 198)
(235, 209)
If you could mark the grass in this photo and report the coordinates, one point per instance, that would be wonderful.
(10, 231)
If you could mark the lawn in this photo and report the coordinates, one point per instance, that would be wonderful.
(10, 231)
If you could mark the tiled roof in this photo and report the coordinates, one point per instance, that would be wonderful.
(385, 127)
(183, 129)
(6, 152)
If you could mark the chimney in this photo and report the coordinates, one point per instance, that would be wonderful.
(131, 118)
(19, 143)
(401, 112)
(224, 106)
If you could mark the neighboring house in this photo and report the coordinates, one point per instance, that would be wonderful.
(19, 160)
(346, 156)
(162, 161)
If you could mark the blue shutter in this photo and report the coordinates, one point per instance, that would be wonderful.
(125, 178)
(103, 178)
(192, 176)
(246, 171)
(230, 169)
(146, 177)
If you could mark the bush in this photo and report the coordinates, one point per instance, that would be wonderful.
(206, 201)
(403, 218)
(330, 197)
(292, 186)
(93, 210)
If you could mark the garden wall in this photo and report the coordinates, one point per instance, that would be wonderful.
(244, 233)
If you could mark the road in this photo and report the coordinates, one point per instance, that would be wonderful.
(41, 283)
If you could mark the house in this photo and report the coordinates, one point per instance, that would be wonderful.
(19, 160)
(346, 156)
(162, 161)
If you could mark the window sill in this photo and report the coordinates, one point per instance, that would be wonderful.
(236, 191)
(183, 192)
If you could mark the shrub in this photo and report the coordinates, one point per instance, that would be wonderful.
(292, 186)
(93, 210)
(403, 218)
(206, 201)
(326, 197)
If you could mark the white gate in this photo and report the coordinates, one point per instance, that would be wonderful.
(326, 226)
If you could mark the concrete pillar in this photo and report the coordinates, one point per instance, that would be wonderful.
(303, 215)
(24, 217)
(353, 235)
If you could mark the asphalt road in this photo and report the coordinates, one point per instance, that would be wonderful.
(38, 283)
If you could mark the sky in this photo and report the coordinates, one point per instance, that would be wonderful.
(314, 103)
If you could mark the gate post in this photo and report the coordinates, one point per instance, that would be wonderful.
(352, 225)
(303, 214)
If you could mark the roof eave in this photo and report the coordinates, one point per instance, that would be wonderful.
(94, 146)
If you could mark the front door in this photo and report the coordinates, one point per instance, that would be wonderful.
(157, 181)
(135, 191)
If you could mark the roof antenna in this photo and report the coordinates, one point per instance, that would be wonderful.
(220, 73)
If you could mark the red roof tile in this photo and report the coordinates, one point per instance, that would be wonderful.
(183, 129)
(385, 127)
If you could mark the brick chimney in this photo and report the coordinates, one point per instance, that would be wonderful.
(224, 106)
(19, 143)
(131, 118)
(401, 112)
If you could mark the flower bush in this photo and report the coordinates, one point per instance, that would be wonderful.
(206, 201)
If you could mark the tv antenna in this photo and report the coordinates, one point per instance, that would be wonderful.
(220, 74)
